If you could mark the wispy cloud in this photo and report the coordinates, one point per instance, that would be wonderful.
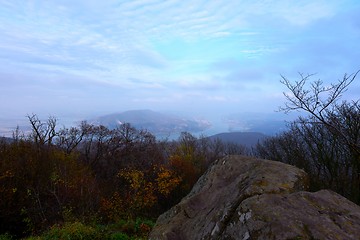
(113, 51)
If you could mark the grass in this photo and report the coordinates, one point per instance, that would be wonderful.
(122, 230)
(5, 236)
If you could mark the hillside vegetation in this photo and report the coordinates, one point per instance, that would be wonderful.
(94, 175)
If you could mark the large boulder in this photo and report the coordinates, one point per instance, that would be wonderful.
(246, 198)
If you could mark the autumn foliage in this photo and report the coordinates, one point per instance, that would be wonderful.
(92, 173)
(140, 193)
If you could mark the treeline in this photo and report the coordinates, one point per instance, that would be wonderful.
(94, 174)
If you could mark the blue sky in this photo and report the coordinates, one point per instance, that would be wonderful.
(87, 57)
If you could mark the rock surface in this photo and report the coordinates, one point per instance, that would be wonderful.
(246, 198)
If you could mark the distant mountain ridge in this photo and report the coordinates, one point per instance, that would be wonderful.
(170, 126)
(267, 123)
(7, 139)
(248, 139)
(160, 124)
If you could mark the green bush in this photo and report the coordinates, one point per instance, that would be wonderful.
(121, 230)
(119, 236)
(133, 229)
(5, 236)
(72, 231)
(33, 238)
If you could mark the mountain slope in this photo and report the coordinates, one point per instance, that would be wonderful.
(155, 122)
(248, 139)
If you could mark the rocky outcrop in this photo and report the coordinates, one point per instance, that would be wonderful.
(246, 198)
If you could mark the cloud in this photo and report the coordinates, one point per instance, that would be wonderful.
(299, 13)
(196, 84)
(329, 47)
(112, 53)
(103, 31)
(148, 58)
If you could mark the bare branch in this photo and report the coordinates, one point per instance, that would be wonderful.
(312, 100)
(42, 133)
(319, 101)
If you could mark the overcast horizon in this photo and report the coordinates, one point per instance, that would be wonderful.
(77, 59)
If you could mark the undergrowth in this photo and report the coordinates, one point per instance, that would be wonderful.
(121, 230)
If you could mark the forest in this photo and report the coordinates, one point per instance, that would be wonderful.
(91, 174)
(91, 182)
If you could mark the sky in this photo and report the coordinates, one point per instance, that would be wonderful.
(83, 58)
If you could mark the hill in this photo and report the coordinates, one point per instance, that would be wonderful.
(248, 139)
(160, 124)
(267, 123)
(6, 139)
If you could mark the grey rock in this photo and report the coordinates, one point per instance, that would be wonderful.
(301, 215)
(210, 209)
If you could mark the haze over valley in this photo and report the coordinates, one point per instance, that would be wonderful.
(168, 124)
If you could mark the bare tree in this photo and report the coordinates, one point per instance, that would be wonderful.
(70, 138)
(329, 134)
(42, 132)
(18, 134)
(320, 102)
